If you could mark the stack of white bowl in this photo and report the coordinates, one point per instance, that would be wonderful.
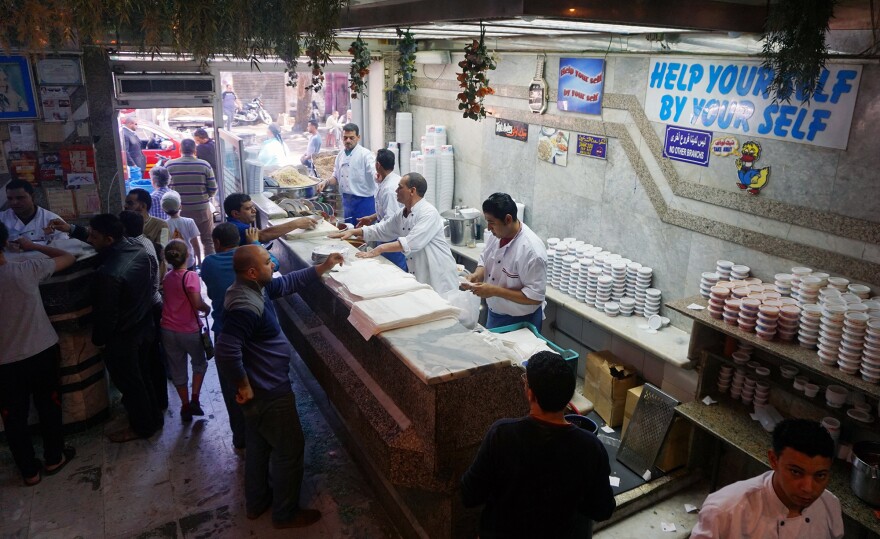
(707, 281)
(578, 283)
(873, 306)
(789, 316)
(862, 291)
(565, 273)
(849, 357)
(627, 306)
(738, 272)
(618, 276)
(561, 253)
(808, 290)
(603, 292)
(871, 353)
(724, 378)
(831, 333)
(798, 273)
(808, 332)
(652, 302)
(748, 390)
(612, 308)
(783, 283)
(643, 283)
(838, 283)
(593, 274)
(632, 276)
(552, 263)
(722, 268)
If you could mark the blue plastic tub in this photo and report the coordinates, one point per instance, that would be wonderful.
(570, 356)
(583, 422)
(146, 185)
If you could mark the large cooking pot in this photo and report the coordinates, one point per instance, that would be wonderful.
(865, 480)
(461, 227)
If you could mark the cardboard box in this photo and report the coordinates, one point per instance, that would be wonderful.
(606, 385)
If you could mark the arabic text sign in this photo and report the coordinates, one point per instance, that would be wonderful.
(580, 85)
(687, 145)
(512, 129)
(592, 146)
(732, 97)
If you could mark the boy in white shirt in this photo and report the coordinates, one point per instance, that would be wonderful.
(182, 228)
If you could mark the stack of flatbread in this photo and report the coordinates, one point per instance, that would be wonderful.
(373, 316)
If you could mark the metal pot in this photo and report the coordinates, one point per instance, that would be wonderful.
(461, 228)
(865, 479)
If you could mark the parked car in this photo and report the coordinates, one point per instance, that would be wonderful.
(156, 141)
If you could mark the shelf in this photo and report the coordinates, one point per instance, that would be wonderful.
(789, 351)
(731, 423)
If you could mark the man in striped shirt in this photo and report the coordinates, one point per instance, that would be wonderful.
(194, 180)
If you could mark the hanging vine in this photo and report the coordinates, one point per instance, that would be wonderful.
(477, 62)
(405, 80)
(360, 67)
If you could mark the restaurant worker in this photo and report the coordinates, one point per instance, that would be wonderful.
(353, 172)
(512, 272)
(523, 471)
(24, 217)
(417, 231)
(790, 501)
(386, 199)
(241, 211)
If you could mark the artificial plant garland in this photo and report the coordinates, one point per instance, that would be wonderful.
(405, 80)
(477, 61)
(360, 67)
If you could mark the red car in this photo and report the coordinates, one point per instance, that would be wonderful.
(156, 141)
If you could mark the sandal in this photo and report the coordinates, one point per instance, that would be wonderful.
(67, 455)
(35, 480)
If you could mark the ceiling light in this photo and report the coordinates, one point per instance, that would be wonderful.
(571, 10)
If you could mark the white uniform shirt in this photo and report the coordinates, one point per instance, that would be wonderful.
(751, 509)
(33, 230)
(428, 256)
(386, 197)
(519, 265)
(29, 331)
(356, 172)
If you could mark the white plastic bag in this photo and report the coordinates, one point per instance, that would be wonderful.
(469, 305)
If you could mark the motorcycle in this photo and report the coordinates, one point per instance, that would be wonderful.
(252, 112)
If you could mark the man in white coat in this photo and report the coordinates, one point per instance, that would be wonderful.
(386, 199)
(24, 218)
(416, 230)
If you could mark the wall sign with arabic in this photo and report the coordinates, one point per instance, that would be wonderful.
(592, 146)
(512, 129)
(687, 145)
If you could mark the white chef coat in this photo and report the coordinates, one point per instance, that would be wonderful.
(356, 172)
(751, 509)
(33, 230)
(519, 265)
(428, 256)
(386, 197)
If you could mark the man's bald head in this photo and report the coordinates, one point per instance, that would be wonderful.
(246, 257)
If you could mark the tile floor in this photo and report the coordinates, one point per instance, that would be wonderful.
(185, 482)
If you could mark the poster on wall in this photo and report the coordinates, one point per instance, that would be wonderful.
(17, 101)
(687, 145)
(53, 71)
(553, 146)
(512, 129)
(56, 104)
(592, 146)
(731, 97)
(581, 81)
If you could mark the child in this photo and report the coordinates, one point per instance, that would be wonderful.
(181, 328)
(182, 228)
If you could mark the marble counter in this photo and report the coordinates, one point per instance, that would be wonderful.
(669, 344)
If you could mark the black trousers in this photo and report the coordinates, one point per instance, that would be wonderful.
(128, 356)
(158, 373)
(37, 377)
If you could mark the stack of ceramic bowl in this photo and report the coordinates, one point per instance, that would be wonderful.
(632, 275)
(808, 332)
(652, 301)
(808, 290)
(736, 385)
(871, 352)
(862, 291)
(593, 274)
(731, 310)
(724, 378)
(762, 393)
(831, 333)
(738, 272)
(783, 283)
(768, 319)
(717, 296)
(748, 314)
(565, 274)
(849, 357)
(603, 293)
(707, 281)
(618, 276)
(839, 283)
(722, 268)
(627, 306)
(612, 308)
(579, 289)
(798, 274)
(789, 316)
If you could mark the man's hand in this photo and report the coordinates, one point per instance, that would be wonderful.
(321, 185)
(483, 290)
(474, 278)
(304, 223)
(57, 224)
(327, 265)
(244, 394)
(344, 235)
(365, 221)
(252, 234)
(372, 253)
(25, 244)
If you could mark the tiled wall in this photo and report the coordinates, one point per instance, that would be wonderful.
(605, 203)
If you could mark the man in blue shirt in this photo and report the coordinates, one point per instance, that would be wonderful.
(314, 147)
(241, 212)
(255, 355)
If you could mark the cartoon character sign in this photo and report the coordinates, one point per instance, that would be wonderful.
(750, 177)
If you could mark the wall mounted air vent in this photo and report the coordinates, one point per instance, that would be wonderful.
(163, 86)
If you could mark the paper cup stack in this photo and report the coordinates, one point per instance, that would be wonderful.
(808, 332)
(871, 353)
(708, 280)
(603, 293)
(394, 148)
(789, 316)
(831, 333)
(445, 177)
(418, 164)
(430, 173)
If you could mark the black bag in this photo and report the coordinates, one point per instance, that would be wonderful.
(207, 344)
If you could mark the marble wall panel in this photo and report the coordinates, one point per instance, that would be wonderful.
(622, 188)
(627, 75)
(509, 166)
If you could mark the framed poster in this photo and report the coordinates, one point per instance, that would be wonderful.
(581, 83)
(553, 146)
(17, 101)
(59, 72)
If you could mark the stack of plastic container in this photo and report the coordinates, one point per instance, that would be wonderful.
(404, 135)
(643, 283)
(707, 281)
(789, 316)
(603, 293)
(429, 154)
(799, 273)
(831, 332)
(593, 274)
(852, 343)
(652, 302)
(808, 330)
(722, 268)
(618, 276)
(768, 320)
(748, 314)
(445, 177)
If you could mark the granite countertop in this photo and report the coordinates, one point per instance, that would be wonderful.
(789, 351)
(670, 343)
(731, 423)
(435, 352)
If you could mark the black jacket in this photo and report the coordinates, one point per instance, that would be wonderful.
(122, 293)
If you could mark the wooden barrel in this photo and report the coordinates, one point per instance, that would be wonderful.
(84, 394)
(67, 296)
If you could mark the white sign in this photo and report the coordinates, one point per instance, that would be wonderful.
(731, 97)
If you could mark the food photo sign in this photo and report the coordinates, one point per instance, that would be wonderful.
(581, 81)
(732, 97)
(553, 146)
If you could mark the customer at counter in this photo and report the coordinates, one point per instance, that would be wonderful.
(29, 360)
(353, 172)
(386, 199)
(539, 475)
(512, 272)
(241, 212)
(253, 352)
(24, 218)
(417, 231)
(790, 501)
(122, 299)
